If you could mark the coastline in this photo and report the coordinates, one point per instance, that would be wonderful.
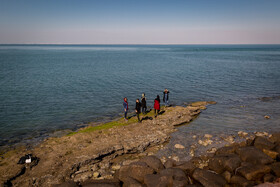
(60, 158)
(96, 154)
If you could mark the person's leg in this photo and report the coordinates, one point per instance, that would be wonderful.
(155, 113)
(138, 116)
(125, 115)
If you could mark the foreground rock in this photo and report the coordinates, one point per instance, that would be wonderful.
(93, 155)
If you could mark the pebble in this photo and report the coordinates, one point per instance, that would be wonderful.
(179, 146)
(208, 136)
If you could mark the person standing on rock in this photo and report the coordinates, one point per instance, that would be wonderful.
(143, 103)
(138, 109)
(166, 97)
(157, 105)
(125, 107)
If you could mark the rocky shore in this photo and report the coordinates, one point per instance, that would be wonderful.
(94, 152)
(123, 153)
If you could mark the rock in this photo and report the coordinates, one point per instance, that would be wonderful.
(96, 174)
(269, 178)
(208, 136)
(188, 167)
(116, 167)
(101, 183)
(136, 170)
(153, 162)
(267, 117)
(226, 150)
(240, 181)
(242, 134)
(229, 139)
(176, 173)
(220, 163)
(157, 180)
(205, 142)
(253, 171)
(276, 137)
(275, 167)
(169, 163)
(212, 150)
(261, 134)
(179, 146)
(83, 176)
(208, 178)
(227, 176)
(130, 182)
(263, 143)
(270, 153)
(67, 184)
(253, 155)
(194, 136)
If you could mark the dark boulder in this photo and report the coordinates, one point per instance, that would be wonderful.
(157, 180)
(188, 167)
(208, 178)
(275, 167)
(136, 170)
(254, 155)
(240, 181)
(226, 150)
(276, 137)
(220, 163)
(263, 143)
(169, 163)
(253, 171)
(176, 173)
(101, 183)
(153, 162)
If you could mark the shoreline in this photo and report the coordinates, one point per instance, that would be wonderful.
(62, 158)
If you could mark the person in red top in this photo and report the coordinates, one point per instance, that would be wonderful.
(157, 105)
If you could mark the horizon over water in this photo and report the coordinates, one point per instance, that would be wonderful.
(46, 88)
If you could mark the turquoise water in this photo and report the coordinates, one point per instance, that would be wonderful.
(45, 88)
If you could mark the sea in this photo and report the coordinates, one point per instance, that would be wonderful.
(48, 90)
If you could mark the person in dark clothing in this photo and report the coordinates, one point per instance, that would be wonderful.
(143, 103)
(138, 109)
(166, 97)
(125, 107)
(157, 105)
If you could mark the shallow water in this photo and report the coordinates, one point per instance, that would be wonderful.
(45, 88)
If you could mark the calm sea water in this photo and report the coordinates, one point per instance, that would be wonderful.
(45, 88)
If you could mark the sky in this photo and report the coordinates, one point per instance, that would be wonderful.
(140, 22)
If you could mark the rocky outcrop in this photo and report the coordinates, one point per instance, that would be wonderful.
(98, 154)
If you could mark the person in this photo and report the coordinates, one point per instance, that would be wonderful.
(138, 109)
(166, 97)
(143, 103)
(125, 107)
(157, 105)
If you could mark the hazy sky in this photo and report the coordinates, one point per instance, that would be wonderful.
(140, 21)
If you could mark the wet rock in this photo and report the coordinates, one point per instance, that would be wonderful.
(101, 183)
(153, 162)
(253, 155)
(136, 170)
(212, 150)
(220, 163)
(83, 176)
(227, 176)
(158, 180)
(261, 134)
(208, 136)
(169, 163)
(208, 178)
(130, 182)
(275, 137)
(241, 181)
(179, 146)
(242, 134)
(205, 142)
(176, 174)
(188, 167)
(229, 139)
(253, 171)
(267, 117)
(269, 178)
(270, 153)
(226, 150)
(275, 167)
(263, 143)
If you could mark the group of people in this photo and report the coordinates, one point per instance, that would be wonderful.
(142, 106)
